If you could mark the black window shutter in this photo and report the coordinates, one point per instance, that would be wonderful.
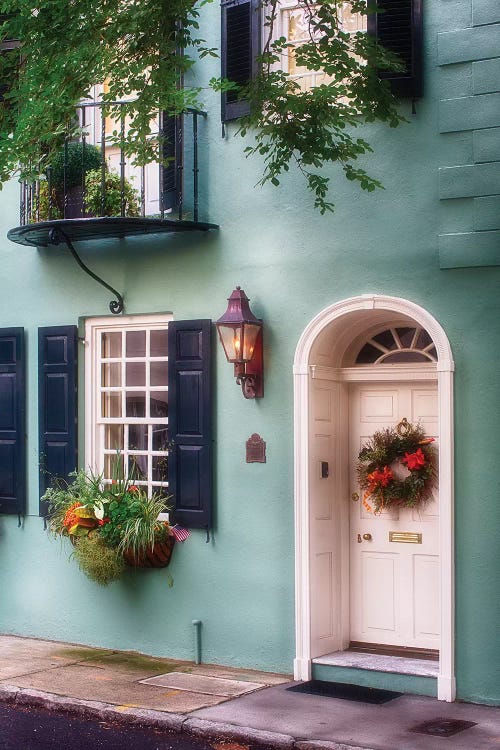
(398, 28)
(12, 421)
(6, 44)
(173, 132)
(240, 47)
(57, 418)
(190, 422)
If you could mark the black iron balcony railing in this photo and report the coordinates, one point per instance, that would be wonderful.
(93, 191)
(94, 178)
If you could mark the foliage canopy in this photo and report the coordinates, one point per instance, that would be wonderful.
(145, 48)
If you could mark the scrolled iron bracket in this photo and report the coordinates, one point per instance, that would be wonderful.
(56, 237)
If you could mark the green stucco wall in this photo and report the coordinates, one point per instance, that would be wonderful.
(292, 263)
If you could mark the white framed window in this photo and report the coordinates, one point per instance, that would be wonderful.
(398, 345)
(293, 24)
(126, 398)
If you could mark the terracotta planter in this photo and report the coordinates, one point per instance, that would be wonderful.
(158, 557)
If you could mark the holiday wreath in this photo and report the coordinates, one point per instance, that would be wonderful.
(405, 444)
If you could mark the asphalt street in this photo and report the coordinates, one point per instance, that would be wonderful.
(35, 729)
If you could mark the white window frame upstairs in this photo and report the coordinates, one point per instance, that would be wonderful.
(95, 449)
(306, 79)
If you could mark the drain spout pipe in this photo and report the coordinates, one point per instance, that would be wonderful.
(197, 641)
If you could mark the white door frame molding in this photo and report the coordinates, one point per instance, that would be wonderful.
(302, 370)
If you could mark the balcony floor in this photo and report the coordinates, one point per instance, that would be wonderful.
(45, 233)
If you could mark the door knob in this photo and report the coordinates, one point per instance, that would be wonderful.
(355, 497)
(367, 537)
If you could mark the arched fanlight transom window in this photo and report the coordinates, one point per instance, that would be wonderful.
(398, 345)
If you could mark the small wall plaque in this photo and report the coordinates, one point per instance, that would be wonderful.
(256, 450)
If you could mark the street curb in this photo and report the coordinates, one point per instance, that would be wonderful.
(324, 745)
(205, 728)
(91, 709)
(14, 695)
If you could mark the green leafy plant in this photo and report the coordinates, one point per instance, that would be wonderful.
(106, 523)
(80, 158)
(144, 50)
(112, 195)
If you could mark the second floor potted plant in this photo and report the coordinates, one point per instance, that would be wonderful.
(79, 187)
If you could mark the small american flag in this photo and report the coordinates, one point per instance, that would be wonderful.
(180, 533)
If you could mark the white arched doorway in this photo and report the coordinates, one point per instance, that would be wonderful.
(323, 353)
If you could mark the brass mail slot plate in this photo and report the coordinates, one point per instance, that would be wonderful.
(408, 537)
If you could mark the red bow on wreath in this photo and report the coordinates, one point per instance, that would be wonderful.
(414, 460)
(379, 478)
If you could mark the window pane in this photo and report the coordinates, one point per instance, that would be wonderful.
(113, 437)
(160, 438)
(136, 404)
(158, 344)
(368, 354)
(352, 22)
(405, 336)
(111, 374)
(111, 345)
(406, 357)
(158, 403)
(297, 24)
(111, 404)
(137, 467)
(138, 437)
(159, 373)
(160, 466)
(136, 344)
(386, 339)
(423, 340)
(136, 373)
(113, 467)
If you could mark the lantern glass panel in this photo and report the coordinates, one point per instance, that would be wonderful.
(251, 331)
(230, 336)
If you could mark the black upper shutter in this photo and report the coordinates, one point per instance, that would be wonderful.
(173, 132)
(12, 416)
(57, 360)
(6, 44)
(240, 47)
(190, 422)
(398, 28)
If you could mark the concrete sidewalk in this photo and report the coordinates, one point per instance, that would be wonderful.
(243, 705)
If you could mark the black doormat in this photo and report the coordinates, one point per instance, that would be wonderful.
(345, 692)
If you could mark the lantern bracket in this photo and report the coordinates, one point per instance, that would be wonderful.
(250, 375)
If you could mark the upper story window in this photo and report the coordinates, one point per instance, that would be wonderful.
(398, 345)
(397, 27)
(293, 24)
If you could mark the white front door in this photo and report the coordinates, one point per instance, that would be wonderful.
(394, 586)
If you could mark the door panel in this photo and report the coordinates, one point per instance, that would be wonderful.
(393, 585)
(325, 516)
(426, 594)
(380, 594)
